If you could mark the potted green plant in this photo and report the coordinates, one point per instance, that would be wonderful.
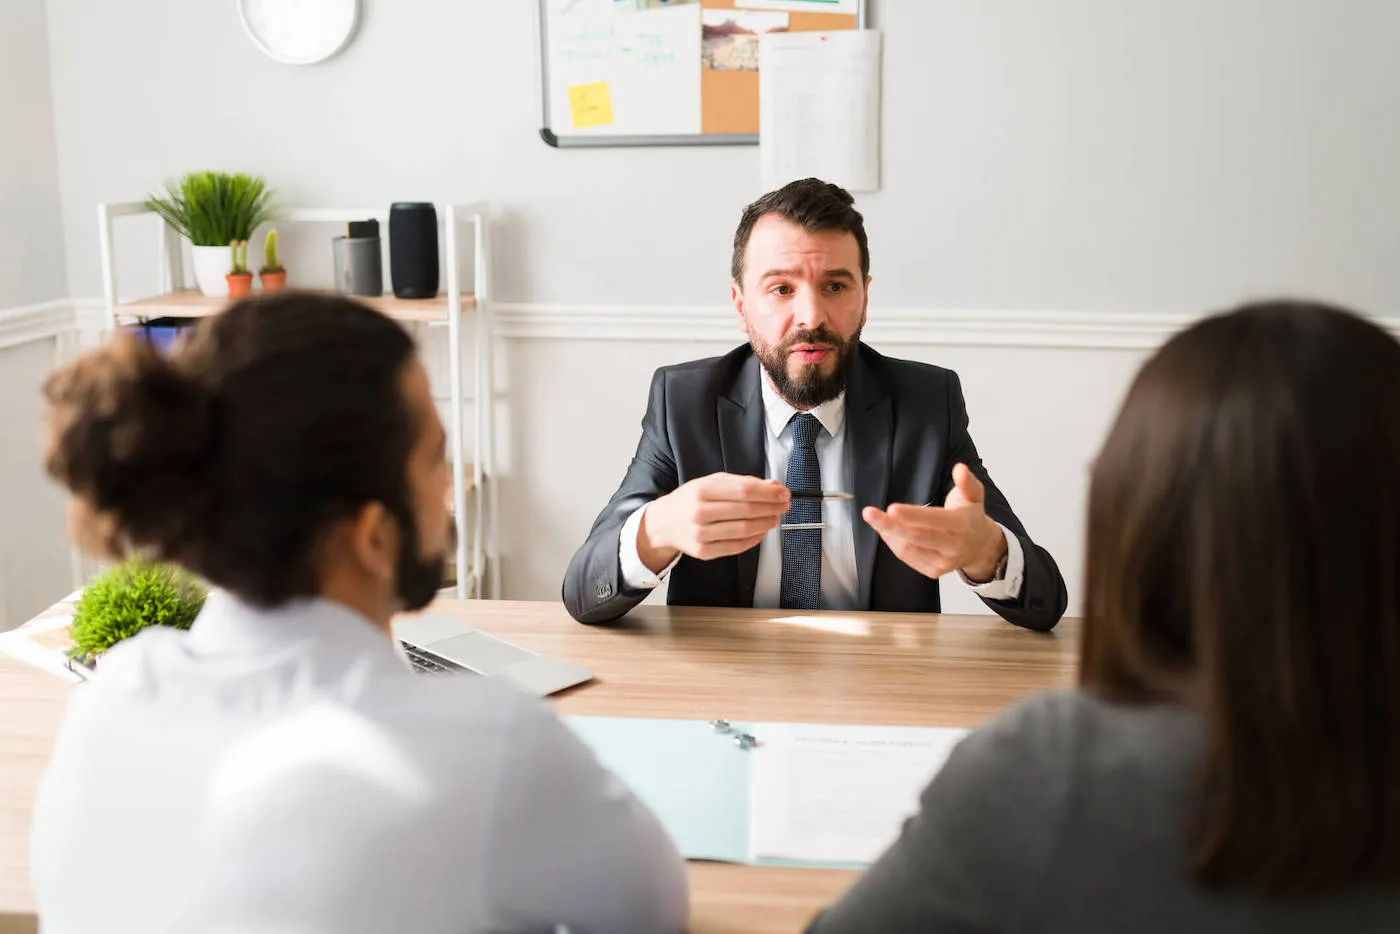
(240, 280)
(212, 209)
(272, 276)
(127, 598)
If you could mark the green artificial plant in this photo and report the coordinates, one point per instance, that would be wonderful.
(127, 598)
(214, 208)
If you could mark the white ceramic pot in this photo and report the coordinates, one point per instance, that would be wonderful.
(211, 264)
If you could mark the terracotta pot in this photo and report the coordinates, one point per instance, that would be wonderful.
(239, 284)
(273, 281)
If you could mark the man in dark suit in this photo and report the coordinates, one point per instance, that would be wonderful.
(808, 406)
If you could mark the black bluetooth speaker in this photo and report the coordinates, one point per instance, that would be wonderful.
(413, 249)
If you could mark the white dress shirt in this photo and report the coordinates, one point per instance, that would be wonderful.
(284, 771)
(840, 588)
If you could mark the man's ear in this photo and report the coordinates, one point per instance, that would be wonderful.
(93, 531)
(372, 541)
(736, 295)
(865, 306)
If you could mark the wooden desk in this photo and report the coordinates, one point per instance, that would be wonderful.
(874, 668)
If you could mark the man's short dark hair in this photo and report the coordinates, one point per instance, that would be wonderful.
(813, 205)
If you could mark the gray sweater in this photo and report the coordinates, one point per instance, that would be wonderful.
(1065, 814)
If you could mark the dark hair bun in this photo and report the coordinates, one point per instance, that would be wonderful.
(133, 437)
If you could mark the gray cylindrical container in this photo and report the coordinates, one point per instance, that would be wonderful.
(359, 266)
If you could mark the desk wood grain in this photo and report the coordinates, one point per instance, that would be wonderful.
(874, 668)
(31, 705)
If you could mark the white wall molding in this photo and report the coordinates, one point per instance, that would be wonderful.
(991, 328)
(886, 326)
(89, 314)
(40, 321)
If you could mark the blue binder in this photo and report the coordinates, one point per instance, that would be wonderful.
(696, 780)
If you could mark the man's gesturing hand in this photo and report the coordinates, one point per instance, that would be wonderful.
(934, 540)
(710, 517)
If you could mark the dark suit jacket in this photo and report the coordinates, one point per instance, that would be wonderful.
(908, 428)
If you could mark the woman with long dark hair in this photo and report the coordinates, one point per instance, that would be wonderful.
(1231, 760)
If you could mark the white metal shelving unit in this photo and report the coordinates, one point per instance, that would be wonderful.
(473, 489)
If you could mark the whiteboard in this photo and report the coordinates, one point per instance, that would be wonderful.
(629, 72)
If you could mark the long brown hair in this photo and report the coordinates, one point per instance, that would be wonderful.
(1243, 556)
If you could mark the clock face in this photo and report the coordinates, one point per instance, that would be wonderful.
(300, 32)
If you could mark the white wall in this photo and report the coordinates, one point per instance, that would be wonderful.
(1085, 156)
(31, 225)
(34, 568)
(34, 556)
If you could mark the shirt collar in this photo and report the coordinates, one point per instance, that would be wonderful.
(228, 623)
(777, 411)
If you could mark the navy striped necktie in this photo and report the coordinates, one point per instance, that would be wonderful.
(802, 548)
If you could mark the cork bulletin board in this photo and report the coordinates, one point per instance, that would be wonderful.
(664, 72)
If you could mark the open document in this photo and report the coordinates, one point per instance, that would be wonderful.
(839, 794)
(43, 642)
(804, 793)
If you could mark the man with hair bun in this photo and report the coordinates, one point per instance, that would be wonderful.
(279, 767)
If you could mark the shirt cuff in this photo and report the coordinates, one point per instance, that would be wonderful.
(635, 574)
(1005, 586)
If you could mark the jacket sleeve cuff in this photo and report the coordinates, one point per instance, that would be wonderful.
(1005, 586)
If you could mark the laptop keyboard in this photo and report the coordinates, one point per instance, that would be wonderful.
(427, 663)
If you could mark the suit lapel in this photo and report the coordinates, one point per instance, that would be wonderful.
(741, 446)
(871, 422)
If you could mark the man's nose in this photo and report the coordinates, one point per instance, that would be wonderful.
(808, 313)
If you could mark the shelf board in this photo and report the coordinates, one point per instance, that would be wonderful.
(191, 303)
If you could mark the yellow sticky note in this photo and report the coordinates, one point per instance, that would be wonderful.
(591, 104)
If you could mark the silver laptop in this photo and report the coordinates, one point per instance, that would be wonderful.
(436, 644)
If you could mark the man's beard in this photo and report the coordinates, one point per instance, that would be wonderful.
(810, 387)
(419, 577)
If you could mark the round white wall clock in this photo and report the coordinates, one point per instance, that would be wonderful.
(300, 32)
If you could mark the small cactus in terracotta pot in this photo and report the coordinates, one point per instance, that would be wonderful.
(272, 275)
(240, 280)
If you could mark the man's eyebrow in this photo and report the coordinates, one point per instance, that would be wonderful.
(828, 274)
(777, 273)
